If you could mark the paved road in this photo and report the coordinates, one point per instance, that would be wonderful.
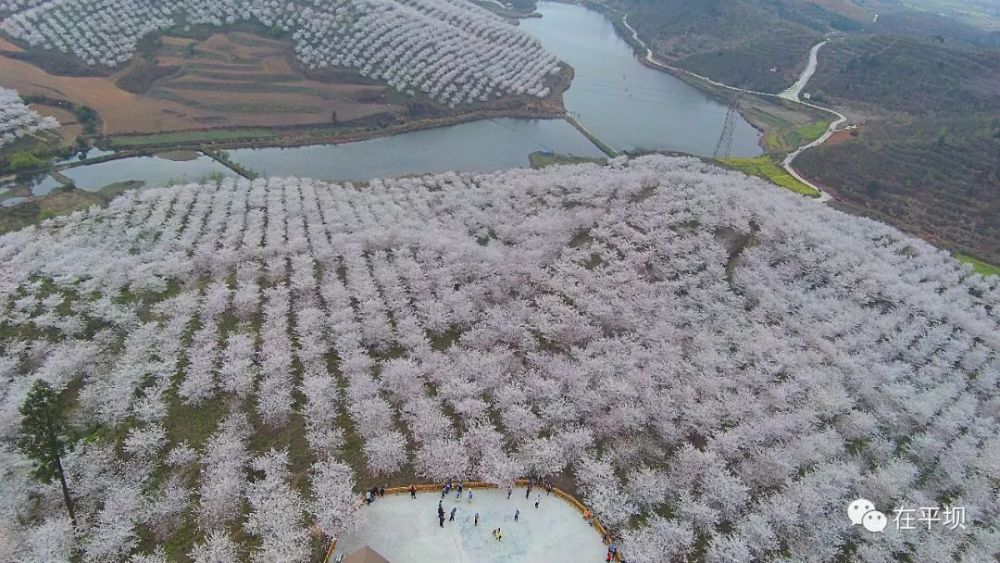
(795, 91)
(804, 79)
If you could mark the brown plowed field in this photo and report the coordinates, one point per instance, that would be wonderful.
(231, 79)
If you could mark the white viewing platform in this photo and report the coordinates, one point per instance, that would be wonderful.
(404, 530)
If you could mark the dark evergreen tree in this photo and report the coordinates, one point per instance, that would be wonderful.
(42, 429)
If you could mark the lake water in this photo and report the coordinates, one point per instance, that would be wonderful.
(92, 152)
(151, 170)
(477, 146)
(627, 105)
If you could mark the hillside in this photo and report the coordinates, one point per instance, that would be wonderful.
(716, 366)
(909, 78)
(927, 160)
(938, 177)
(274, 70)
(905, 74)
(752, 43)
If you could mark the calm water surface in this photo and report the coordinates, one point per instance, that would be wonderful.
(477, 146)
(153, 171)
(627, 105)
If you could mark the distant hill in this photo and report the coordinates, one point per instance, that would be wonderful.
(916, 75)
(936, 176)
(926, 88)
(932, 163)
(754, 43)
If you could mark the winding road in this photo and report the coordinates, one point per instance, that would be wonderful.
(792, 94)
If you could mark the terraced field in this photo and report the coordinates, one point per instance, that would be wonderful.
(230, 79)
(272, 91)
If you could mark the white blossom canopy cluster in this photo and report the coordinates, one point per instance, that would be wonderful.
(451, 50)
(11, 6)
(18, 120)
(721, 366)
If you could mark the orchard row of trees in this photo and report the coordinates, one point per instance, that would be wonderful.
(18, 120)
(721, 367)
(454, 52)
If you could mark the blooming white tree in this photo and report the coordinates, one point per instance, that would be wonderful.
(454, 52)
(218, 547)
(18, 120)
(276, 512)
(223, 477)
(607, 324)
(335, 505)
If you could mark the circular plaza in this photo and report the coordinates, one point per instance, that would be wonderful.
(402, 529)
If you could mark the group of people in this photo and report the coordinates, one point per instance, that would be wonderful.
(375, 493)
(446, 489)
(459, 487)
(451, 517)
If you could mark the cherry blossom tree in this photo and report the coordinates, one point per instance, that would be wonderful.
(18, 120)
(706, 398)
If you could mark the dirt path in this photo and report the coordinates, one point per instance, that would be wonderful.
(787, 162)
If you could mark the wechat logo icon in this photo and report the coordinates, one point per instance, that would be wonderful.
(862, 511)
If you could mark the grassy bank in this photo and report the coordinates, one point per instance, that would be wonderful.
(764, 167)
(60, 201)
(790, 137)
(190, 137)
(980, 267)
(542, 159)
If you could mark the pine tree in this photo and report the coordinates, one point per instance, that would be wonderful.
(42, 436)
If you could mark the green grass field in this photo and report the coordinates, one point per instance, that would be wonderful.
(764, 167)
(542, 159)
(980, 267)
(785, 139)
(810, 131)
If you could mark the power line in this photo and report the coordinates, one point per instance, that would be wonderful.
(724, 147)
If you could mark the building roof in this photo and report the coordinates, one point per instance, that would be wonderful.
(365, 555)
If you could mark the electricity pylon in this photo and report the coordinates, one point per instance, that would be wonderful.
(725, 145)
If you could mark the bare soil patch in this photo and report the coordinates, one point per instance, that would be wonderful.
(231, 79)
(841, 136)
(69, 128)
(8, 46)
